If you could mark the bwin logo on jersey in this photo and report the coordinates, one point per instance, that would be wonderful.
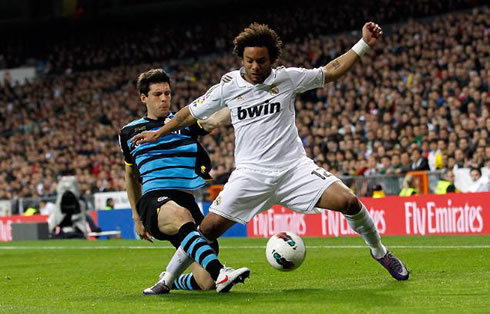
(259, 110)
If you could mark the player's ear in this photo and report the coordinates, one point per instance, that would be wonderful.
(143, 98)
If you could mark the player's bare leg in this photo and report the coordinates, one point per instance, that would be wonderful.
(339, 197)
(170, 217)
(197, 279)
(174, 219)
(202, 277)
(213, 226)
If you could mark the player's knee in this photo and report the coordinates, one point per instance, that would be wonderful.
(351, 204)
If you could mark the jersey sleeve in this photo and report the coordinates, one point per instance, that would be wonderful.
(204, 106)
(123, 143)
(306, 79)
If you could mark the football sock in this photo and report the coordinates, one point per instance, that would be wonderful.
(364, 225)
(179, 262)
(199, 250)
(214, 244)
(186, 282)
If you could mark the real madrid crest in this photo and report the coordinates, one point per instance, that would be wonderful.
(274, 90)
(217, 201)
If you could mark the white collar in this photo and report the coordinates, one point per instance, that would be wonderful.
(243, 82)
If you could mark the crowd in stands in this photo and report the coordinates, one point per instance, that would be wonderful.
(418, 101)
(94, 45)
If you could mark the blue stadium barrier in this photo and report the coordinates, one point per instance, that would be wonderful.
(120, 219)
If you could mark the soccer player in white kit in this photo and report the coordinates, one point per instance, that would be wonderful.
(271, 163)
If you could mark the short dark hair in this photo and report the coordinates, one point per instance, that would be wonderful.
(475, 169)
(258, 35)
(149, 77)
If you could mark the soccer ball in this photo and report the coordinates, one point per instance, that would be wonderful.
(285, 251)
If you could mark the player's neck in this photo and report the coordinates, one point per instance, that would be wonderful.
(248, 79)
(154, 117)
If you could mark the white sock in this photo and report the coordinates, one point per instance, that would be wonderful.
(364, 225)
(179, 262)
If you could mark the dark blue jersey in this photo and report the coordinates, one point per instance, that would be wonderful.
(175, 161)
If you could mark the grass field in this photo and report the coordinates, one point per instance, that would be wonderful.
(448, 274)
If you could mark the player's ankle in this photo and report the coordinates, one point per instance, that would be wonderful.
(379, 251)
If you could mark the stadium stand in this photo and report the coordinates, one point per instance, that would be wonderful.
(427, 96)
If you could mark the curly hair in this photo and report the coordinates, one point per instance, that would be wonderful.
(149, 77)
(258, 35)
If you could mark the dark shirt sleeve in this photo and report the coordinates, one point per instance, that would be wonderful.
(196, 130)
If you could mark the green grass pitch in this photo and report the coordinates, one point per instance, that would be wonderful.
(448, 274)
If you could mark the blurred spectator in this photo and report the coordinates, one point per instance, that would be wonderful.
(405, 164)
(446, 184)
(386, 167)
(109, 204)
(460, 159)
(434, 156)
(378, 191)
(408, 187)
(479, 183)
(31, 211)
(419, 162)
(45, 207)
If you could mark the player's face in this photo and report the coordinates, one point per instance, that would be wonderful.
(257, 64)
(158, 100)
(475, 175)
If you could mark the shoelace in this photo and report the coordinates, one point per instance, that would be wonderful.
(226, 268)
(394, 263)
(159, 286)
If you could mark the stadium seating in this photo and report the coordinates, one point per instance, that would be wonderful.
(424, 88)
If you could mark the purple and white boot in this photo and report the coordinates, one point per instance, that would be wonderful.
(394, 266)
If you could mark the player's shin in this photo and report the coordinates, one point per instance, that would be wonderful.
(364, 225)
(199, 250)
(177, 265)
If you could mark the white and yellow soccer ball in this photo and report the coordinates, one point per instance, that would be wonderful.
(285, 251)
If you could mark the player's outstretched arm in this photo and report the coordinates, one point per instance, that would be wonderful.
(218, 119)
(338, 67)
(181, 119)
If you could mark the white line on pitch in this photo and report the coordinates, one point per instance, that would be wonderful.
(239, 247)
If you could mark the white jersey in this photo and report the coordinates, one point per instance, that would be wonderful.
(262, 115)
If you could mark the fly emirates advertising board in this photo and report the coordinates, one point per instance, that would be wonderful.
(416, 215)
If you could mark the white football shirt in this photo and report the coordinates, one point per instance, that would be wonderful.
(262, 115)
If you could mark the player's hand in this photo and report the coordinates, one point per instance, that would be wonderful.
(144, 137)
(140, 230)
(371, 32)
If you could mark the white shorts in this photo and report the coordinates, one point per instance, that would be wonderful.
(250, 192)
